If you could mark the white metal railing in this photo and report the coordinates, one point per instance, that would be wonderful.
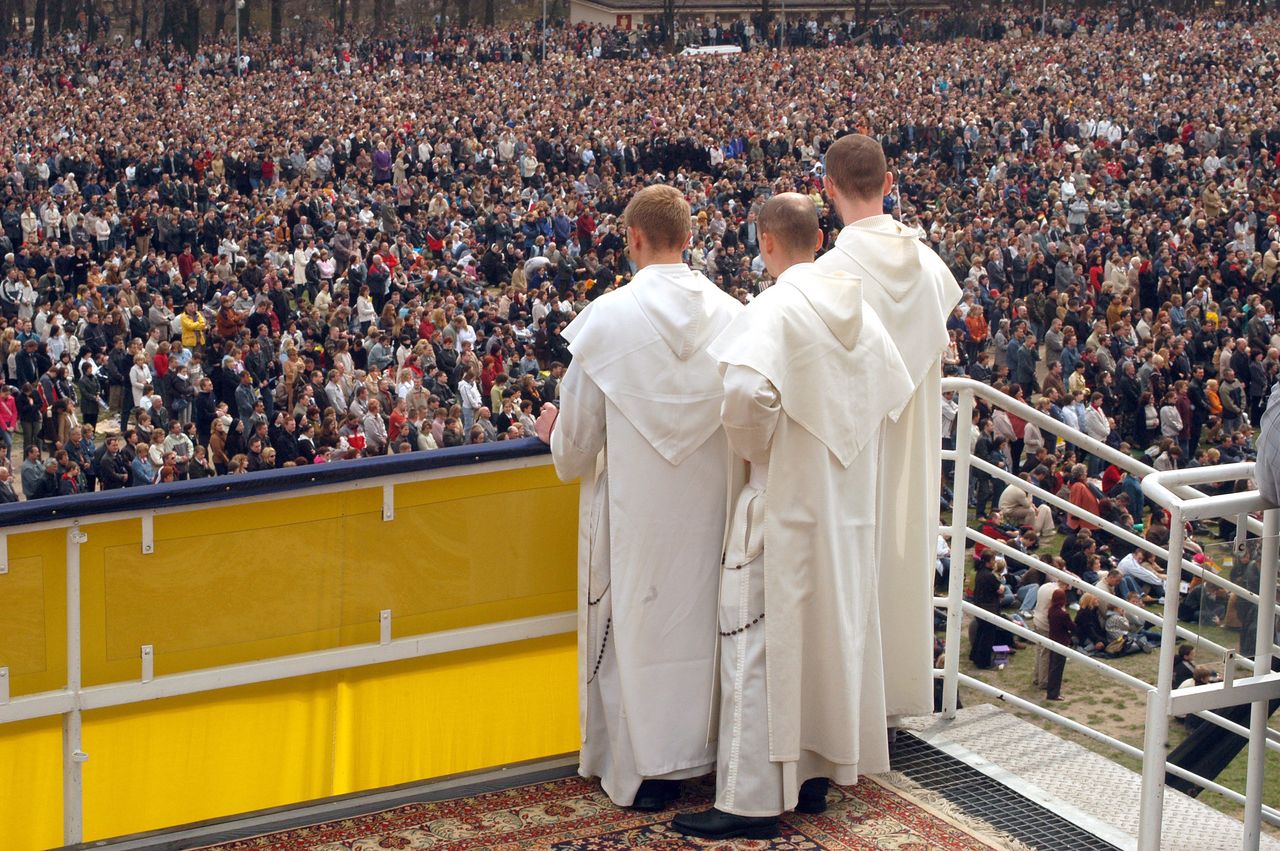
(1175, 492)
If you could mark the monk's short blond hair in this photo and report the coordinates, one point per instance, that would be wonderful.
(792, 219)
(662, 215)
(856, 165)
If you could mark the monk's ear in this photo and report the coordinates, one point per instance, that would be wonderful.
(820, 240)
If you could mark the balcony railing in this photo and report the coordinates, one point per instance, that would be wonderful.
(96, 592)
(214, 609)
(1175, 492)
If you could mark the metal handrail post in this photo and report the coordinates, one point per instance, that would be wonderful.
(1266, 633)
(959, 537)
(1156, 742)
(72, 752)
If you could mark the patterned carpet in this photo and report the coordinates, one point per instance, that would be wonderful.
(574, 815)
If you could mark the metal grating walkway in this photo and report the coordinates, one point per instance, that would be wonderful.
(981, 797)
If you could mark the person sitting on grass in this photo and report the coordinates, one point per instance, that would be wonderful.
(1121, 640)
(1091, 631)
(1140, 567)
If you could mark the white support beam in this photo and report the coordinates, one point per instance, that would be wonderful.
(268, 670)
(384, 627)
(73, 755)
(4, 554)
(388, 502)
(1218, 695)
(4, 686)
(148, 533)
(148, 664)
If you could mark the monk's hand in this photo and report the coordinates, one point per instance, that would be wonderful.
(546, 422)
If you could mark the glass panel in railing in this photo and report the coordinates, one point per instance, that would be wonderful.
(1205, 607)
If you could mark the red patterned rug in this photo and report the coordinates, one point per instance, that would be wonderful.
(574, 815)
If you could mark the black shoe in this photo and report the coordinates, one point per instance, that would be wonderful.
(813, 796)
(713, 824)
(655, 795)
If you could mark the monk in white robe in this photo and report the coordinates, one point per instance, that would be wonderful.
(640, 424)
(810, 377)
(912, 291)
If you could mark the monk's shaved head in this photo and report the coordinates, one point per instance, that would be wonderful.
(791, 219)
(855, 165)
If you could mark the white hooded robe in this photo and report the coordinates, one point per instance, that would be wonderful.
(912, 291)
(811, 378)
(642, 388)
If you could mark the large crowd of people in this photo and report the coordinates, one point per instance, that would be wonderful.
(340, 249)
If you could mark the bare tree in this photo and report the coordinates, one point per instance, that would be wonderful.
(191, 34)
(20, 8)
(37, 34)
(864, 14)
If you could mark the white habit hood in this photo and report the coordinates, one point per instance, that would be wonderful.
(778, 340)
(679, 411)
(913, 289)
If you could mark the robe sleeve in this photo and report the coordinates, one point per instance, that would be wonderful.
(750, 412)
(579, 430)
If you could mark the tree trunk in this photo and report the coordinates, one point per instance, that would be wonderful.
(490, 12)
(277, 20)
(192, 29)
(864, 15)
(669, 23)
(765, 16)
(37, 35)
(339, 16)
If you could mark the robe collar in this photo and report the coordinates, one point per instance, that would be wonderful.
(836, 297)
